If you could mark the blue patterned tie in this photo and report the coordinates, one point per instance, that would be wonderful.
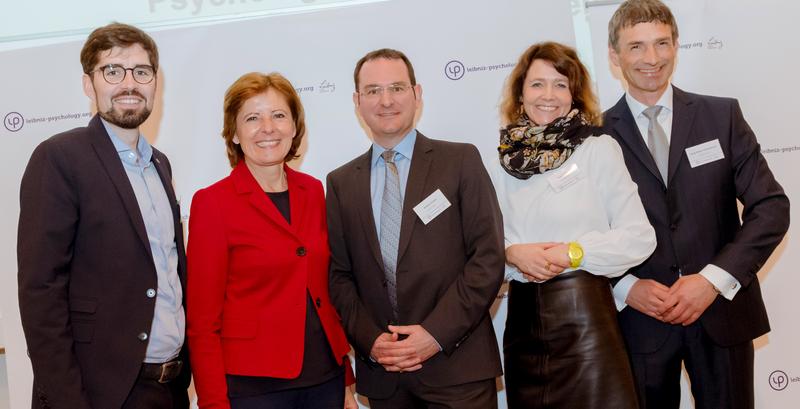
(391, 213)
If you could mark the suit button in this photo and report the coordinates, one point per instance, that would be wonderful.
(150, 293)
(142, 336)
(301, 251)
(673, 226)
(318, 302)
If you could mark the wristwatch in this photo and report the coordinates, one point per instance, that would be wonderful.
(575, 253)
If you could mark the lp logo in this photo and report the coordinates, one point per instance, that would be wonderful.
(454, 70)
(778, 380)
(13, 121)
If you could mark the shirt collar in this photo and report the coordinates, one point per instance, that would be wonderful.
(145, 151)
(637, 108)
(404, 149)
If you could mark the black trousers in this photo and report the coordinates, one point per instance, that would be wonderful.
(327, 395)
(721, 377)
(413, 394)
(150, 394)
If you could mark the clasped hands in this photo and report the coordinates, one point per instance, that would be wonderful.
(539, 262)
(682, 303)
(405, 355)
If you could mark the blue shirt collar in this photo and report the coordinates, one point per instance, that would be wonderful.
(404, 149)
(145, 151)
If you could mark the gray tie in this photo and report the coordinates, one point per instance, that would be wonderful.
(391, 213)
(657, 141)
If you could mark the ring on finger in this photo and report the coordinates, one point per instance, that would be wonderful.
(547, 266)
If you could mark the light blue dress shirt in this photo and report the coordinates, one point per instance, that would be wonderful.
(377, 173)
(167, 332)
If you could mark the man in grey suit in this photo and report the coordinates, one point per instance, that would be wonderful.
(100, 246)
(417, 253)
(697, 299)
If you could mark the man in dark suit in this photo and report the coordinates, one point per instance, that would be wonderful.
(100, 246)
(417, 253)
(697, 299)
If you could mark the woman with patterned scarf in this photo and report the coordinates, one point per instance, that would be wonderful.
(573, 220)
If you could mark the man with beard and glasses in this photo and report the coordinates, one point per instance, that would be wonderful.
(100, 247)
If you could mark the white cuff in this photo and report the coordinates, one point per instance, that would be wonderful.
(724, 282)
(621, 290)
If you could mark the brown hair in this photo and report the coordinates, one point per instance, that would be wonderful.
(248, 86)
(388, 54)
(633, 12)
(566, 62)
(116, 35)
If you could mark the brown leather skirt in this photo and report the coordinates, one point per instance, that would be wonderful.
(563, 347)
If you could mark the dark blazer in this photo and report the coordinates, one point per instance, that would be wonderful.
(448, 271)
(696, 217)
(85, 268)
(250, 273)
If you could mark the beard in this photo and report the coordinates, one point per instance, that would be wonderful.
(128, 118)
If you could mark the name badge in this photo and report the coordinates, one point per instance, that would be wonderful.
(565, 178)
(432, 206)
(705, 152)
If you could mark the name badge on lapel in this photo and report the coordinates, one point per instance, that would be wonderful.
(432, 206)
(565, 178)
(705, 152)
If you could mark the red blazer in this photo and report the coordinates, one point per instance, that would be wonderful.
(248, 275)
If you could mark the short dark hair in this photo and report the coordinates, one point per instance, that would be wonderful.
(388, 54)
(565, 60)
(116, 35)
(633, 12)
(248, 86)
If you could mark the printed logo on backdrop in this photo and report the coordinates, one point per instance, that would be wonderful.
(782, 149)
(14, 121)
(712, 43)
(779, 380)
(324, 87)
(456, 70)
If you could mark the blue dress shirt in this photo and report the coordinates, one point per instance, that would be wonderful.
(169, 322)
(377, 173)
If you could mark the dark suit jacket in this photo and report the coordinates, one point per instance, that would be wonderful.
(85, 268)
(696, 217)
(250, 273)
(448, 271)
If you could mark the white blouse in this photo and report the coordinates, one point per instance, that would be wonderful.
(589, 199)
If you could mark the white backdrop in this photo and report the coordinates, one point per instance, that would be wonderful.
(475, 44)
(746, 50)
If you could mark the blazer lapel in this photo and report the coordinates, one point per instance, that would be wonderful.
(363, 203)
(682, 119)
(418, 173)
(109, 157)
(625, 127)
(245, 183)
(298, 201)
(166, 180)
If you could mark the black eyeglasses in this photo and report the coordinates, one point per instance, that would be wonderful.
(114, 74)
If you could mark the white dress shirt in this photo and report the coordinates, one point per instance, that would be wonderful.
(590, 199)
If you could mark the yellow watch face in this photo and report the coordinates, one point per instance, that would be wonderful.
(575, 253)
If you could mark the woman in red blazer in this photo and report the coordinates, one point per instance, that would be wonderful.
(262, 331)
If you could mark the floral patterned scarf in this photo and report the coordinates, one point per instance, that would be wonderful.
(527, 149)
